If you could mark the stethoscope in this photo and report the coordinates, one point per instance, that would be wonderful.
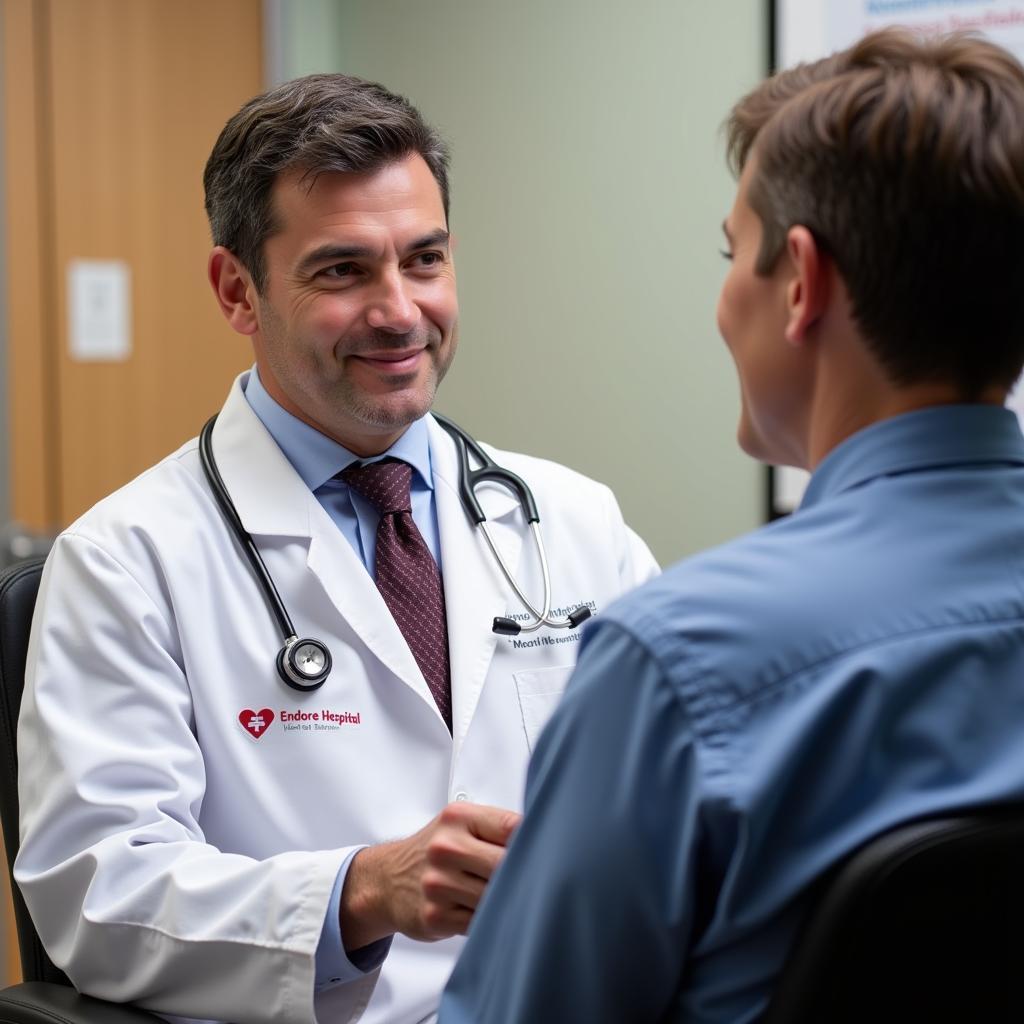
(304, 663)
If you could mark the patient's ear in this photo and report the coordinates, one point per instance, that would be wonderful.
(807, 293)
(234, 289)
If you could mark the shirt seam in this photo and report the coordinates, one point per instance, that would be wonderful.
(690, 682)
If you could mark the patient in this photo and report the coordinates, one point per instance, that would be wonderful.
(740, 724)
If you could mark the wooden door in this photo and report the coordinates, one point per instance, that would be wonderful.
(110, 108)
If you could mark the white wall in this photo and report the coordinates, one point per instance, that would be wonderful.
(588, 191)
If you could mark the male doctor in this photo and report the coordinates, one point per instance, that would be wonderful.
(197, 836)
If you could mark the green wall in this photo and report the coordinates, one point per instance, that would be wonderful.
(589, 187)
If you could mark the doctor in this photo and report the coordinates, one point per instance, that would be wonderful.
(199, 837)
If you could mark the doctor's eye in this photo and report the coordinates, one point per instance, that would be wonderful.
(339, 270)
(431, 260)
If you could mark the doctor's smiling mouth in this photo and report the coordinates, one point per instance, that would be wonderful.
(400, 356)
(403, 362)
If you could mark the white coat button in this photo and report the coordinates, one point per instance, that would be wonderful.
(461, 797)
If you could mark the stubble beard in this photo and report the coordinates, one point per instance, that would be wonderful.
(387, 412)
(397, 410)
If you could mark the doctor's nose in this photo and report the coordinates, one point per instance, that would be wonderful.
(392, 309)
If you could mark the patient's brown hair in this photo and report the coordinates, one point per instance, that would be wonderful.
(905, 158)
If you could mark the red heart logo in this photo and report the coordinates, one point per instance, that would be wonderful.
(256, 723)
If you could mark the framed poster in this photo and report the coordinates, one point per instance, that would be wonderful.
(805, 30)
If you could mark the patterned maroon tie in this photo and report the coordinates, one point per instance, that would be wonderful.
(406, 573)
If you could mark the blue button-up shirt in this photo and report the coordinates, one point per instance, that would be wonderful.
(737, 726)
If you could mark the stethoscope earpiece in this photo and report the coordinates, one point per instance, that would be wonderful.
(505, 626)
(579, 616)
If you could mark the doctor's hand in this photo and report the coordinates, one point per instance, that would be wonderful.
(426, 886)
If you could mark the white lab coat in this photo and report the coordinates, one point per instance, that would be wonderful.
(171, 857)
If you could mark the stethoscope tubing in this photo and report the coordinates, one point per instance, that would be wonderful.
(542, 617)
(304, 664)
(490, 470)
(242, 536)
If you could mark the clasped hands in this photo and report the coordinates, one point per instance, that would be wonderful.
(428, 885)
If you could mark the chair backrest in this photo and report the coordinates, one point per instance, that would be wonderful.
(19, 585)
(924, 923)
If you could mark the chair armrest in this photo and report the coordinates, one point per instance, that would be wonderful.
(39, 1002)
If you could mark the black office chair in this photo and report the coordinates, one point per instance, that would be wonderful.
(46, 995)
(924, 923)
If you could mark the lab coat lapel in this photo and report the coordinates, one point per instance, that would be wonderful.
(353, 592)
(475, 590)
(269, 496)
(272, 500)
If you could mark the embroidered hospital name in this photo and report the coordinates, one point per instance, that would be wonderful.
(558, 613)
(258, 723)
(548, 641)
(318, 721)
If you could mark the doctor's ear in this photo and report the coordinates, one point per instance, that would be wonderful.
(807, 292)
(234, 289)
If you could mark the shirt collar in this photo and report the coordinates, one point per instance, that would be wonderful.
(938, 436)
(315, 456)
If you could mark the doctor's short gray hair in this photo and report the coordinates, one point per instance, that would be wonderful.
(316, 124)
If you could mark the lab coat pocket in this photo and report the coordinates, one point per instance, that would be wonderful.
(539, 692)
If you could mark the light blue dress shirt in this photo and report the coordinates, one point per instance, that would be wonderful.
(318, 459)
(740, 724)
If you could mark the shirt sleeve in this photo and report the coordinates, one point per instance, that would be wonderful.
(334, 966)
(589, 917)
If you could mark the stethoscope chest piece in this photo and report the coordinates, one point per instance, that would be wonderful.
(304, 664)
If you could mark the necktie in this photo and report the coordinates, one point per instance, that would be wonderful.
(406, 573)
